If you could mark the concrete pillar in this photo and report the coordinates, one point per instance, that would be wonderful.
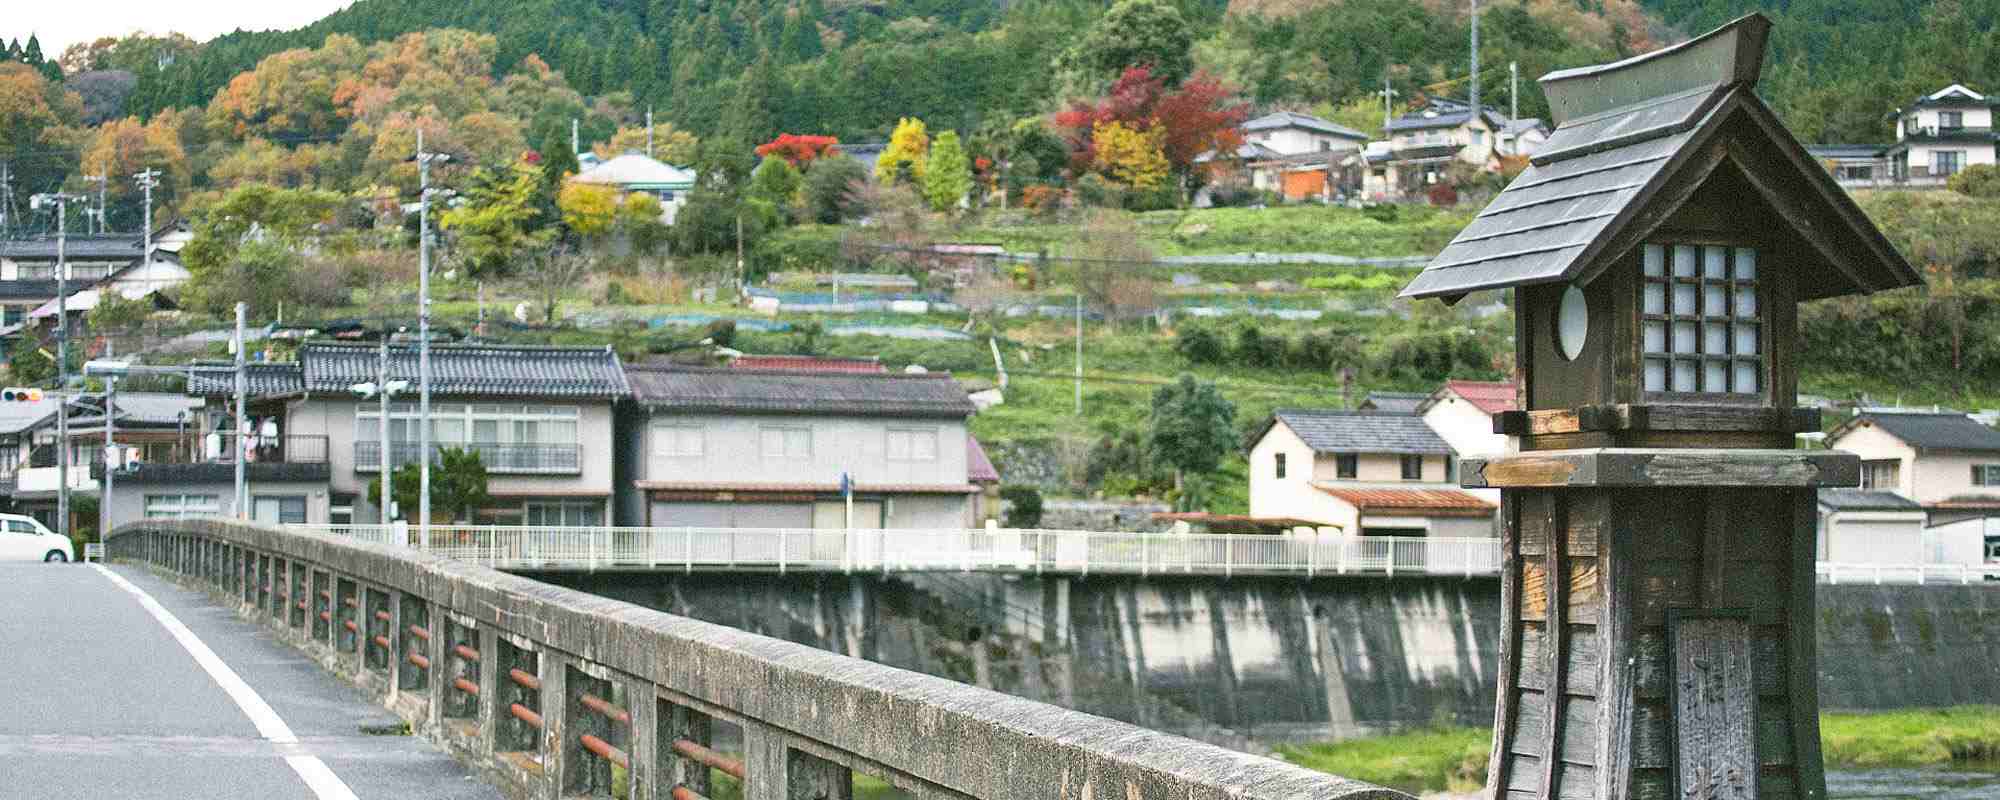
(679, 722)
(557, 744)
(778, 772)
(490, 711)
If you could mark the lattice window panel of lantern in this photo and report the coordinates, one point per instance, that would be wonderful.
(1702, 325)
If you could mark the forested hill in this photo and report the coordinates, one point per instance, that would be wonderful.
(1838, 67)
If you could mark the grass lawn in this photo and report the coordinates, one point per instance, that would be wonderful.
(1455, 759)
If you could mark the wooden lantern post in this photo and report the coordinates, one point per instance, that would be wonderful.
(1659, 526)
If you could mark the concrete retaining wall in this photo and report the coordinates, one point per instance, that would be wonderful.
(807, 716)
(1908, 646)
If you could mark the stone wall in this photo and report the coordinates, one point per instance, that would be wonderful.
(1906, 646)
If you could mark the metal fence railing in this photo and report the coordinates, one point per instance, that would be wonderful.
(997, 549)
(1009, 550)
(535, 459)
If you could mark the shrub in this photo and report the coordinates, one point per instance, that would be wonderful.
(1385, 213)
(1254, 349)
(1199, 345)
(1040, 199)
(1024, 506)
(1979, 180)
(1442, 195)
(1094, 191)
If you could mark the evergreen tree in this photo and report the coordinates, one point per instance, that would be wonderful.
(947, 173)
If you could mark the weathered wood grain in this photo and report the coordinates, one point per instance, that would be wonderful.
(1535, 670)
(1774, 734)
(1580, 672)
(1578, 782)
(1579, 729)
(1530, 723)
(1800, 650)
(1650, 784)
(1713, 707)
(1637, 467)
(1558, 637)
(1534, 590)
(1583, 592)
(1652, 736)
(1663, 585)
(1499, 762)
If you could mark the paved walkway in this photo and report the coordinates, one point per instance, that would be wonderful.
(120, 685)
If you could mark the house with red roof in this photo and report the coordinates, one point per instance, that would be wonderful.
(1462, 413)
(1364, 473)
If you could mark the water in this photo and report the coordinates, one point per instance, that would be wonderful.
(1914, 784)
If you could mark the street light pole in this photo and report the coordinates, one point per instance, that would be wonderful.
(424, 339)
(382, 429)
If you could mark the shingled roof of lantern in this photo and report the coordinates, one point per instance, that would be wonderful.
(1633, 141)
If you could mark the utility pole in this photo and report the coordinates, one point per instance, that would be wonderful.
(649, 131)
(1079, 352)
(1388, 95)
(382, 431)
(424, 334)
(242, 424)
(1475, 60)
(1513, 91)
(100, 180)
(575, 149)
(147, 180)
(61, 202)
(6, 198)
(110, 463)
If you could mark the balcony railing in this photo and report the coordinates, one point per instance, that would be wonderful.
(505, 459)
(286, 449)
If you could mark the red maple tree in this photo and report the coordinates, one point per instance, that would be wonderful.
(1198, 117)
(800, 149)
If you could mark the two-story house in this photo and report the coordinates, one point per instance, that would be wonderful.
(1362, 472)
(145, 425)
(1941, 134)
(1462, 413)
(1947, 462)
(1425, 142)
(774, 448)
(540, 418)
(1301, 156)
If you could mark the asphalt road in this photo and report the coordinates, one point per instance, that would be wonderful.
(100, 700)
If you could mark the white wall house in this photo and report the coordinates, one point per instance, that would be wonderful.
(1948, 463)
(1871, 526)
(1462, 413)
(1941, 134)
(1363, 473)
(1424, 143)
(636, 172)
(769, 448)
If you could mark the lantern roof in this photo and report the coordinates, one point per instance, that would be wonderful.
(1633, 141)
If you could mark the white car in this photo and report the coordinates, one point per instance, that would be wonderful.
(24, 539)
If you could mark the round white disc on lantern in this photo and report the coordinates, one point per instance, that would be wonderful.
(1572, 323)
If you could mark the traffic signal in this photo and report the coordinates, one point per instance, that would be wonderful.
(14, 394)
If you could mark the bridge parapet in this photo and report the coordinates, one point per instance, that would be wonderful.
(556, 693)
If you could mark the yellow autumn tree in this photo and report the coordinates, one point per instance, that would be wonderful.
(1135, 158)
(589, 209)
(670, 144)
(903, 160)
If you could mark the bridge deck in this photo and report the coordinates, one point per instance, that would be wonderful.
(104, 700)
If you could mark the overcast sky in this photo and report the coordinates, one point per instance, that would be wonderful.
(60, 24)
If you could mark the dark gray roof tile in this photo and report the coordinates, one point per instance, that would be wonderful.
(474, 370)
(1329, 431)
(773, 392)
(1931, 431)
(1866, 500)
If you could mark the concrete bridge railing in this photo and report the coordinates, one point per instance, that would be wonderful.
(558, 693)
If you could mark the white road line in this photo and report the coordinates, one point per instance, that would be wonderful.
(324, 784)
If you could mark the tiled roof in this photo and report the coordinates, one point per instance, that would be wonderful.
(1625, 132)
(1491, 397)
(1442, 113)
(1438, 502)
(1327, 431)
(474, 370)
(1865, 500)
(90, 248)
(1846, 150)
(1956, 432)
(808, 364)
(1394, 402)
(978, 468)
(794, 392)
(1279, 120)
(260, 379)
(28, 290)
(804, 487)
(1966, 503)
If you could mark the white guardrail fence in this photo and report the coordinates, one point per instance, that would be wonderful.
(995, 549)
(1008, 550)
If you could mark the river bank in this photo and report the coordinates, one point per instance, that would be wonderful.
(1959, 748)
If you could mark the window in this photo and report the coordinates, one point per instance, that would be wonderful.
(1702, 326)
(1281, 466)
(1450, 468)
(180, 505)
(487, 424)
(1951, 120)
(1885, 474)
(1413, 468)
(564, 514)
(1947, 162)
(283, 510)
(1344, 465)
(1986, 474)
(17, 526)
(912, 444)
(678, 440)
(787, 442)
